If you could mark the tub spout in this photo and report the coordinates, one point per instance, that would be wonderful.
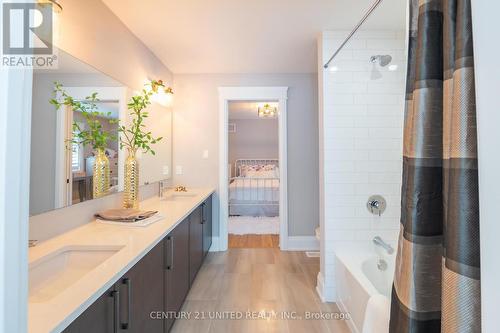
(380, 242)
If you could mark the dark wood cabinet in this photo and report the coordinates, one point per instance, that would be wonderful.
(195, 242)
(141, 293)
(207, 225)
(99, 317)
(127, 306)
(176, 277)
(157, 283)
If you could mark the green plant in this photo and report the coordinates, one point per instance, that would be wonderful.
(135, 136)
(95, 135)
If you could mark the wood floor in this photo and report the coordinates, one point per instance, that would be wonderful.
(258, 288)
(253, 241)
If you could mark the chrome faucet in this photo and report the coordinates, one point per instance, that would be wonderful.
(380, 242)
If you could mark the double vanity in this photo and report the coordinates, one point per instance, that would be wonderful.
(97, 277)
(119, 278)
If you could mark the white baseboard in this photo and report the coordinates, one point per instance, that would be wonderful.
(320, 286)
(302, 243)
(325, 294)
(215, 244)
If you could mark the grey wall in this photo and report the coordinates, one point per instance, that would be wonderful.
(196, 127)
(254, 138)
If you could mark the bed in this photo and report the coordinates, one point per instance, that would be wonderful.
(254, 191)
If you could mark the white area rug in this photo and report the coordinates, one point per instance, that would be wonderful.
(261, 225)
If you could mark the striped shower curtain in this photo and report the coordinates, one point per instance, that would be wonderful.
(437, 278)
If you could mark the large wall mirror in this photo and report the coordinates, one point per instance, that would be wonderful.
(61, 170)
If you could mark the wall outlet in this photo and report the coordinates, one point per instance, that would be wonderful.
(178, 170)
(166, 170)
(205, 154)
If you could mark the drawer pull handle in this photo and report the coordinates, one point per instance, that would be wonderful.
(128, 283)
(171, 253)
(116, 315)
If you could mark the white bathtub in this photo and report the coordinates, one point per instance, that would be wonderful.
(358, 279)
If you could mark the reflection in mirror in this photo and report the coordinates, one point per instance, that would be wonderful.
(83, 156)
(62, 168)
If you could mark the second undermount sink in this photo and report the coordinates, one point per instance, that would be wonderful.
(59, 270)
(180, 195)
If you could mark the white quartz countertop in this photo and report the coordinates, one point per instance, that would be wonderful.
(55, 314)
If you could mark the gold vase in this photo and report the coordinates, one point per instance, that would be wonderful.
(131, 190)
(100, 179)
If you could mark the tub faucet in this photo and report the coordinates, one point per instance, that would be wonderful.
(380, 242)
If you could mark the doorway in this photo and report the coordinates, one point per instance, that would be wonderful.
(253, 188)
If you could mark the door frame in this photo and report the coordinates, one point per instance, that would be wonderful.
(227, 94)
(15, 141)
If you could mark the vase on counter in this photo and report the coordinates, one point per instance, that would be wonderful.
(100, 178)
(131, 186)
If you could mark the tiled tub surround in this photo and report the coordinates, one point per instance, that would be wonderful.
(361, 126)
(57, 312)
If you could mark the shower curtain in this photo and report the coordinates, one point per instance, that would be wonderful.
(437, 278)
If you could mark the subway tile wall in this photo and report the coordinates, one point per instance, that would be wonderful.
(361, 130)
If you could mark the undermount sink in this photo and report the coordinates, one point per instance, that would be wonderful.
(180, 195)
(59, 270)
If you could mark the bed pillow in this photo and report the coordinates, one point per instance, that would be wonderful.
(254, 170)
(269, 167)
(244, 169)
(261, 174)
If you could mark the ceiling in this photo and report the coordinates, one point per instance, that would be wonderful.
(247, 109)
(252, 36)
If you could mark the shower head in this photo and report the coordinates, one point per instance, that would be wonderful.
(383, 60)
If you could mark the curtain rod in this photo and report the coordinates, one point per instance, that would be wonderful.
(368, 13)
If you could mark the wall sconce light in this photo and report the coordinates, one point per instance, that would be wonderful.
(163, 95)
(56, 9)
(56, 6)
(267, 111)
